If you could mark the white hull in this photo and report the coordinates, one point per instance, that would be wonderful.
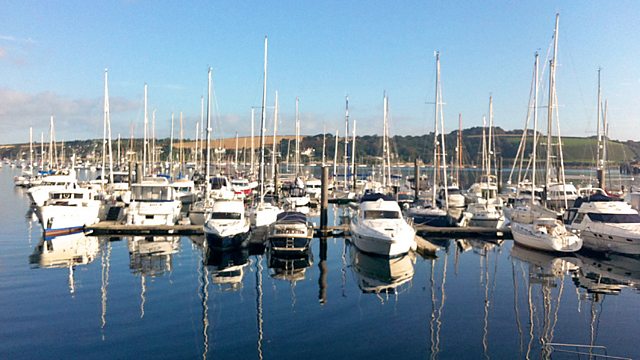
(264, 215)
(53, 217)
(611, 240)
(392, 240)
(527, 235)
(297, 201)
(153, 213)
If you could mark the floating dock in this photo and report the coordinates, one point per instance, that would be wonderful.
(115, 228)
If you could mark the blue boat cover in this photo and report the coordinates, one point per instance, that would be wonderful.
(374, 197)
(593, 198)
(292, 216)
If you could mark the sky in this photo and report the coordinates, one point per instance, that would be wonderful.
(53, 55)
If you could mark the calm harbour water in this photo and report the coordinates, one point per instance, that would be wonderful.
(165, 298)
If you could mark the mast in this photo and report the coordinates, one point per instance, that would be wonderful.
(335, 156)
(459, 149)
(535, 130)
(552, 85)
(42, 150)
(253, 149)
(197, 140)
(353, 156)
(490, 138)
(144, 141)
(599, 160)
(171, 145)
(119, 152)
(208, 162)
(297, 137)
(346, 142)
(152, 160)
(107, 128)
(200, 138)
(181, 146)
(435, 133)
(236, 157)
(385, 110)
(262, 120)
(30, 148)
(51, 142)
(484, 145)
(275, 133)
(444, 153)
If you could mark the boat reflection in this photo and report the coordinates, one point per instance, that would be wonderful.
(379, 274)
(66, 251)
(227, 267)
(151, 255)
(606, 275)
(290, 267)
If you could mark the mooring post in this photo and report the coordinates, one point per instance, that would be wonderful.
(324, 200)
(138, 173)
(416, 179)
(601, 178)
(322, 265)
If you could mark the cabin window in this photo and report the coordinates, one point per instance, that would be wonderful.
(150, 193)
(226, 216)
(381, 214)
(615, 218)
(77, 196)
(579, 218)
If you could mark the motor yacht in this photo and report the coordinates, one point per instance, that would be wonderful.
(227, 225)
(377, 227)
(291, 232)
(153, 203)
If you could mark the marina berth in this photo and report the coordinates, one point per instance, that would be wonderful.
(377, 227)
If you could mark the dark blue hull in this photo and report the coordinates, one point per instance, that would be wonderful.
(217, 242)
(435, 220)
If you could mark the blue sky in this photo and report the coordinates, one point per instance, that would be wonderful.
(53, 55)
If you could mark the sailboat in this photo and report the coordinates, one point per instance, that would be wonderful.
(485, 206)
(528, 227)
(264, 213)
(422, 212)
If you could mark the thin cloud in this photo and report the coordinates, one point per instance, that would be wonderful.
(11, 38)
(79, 118)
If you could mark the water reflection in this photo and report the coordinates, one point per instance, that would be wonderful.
(544, 271)
(227, 267)
(289, 267)
(151, 255)
(378, 274)
(65, 252)
(607, 275)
